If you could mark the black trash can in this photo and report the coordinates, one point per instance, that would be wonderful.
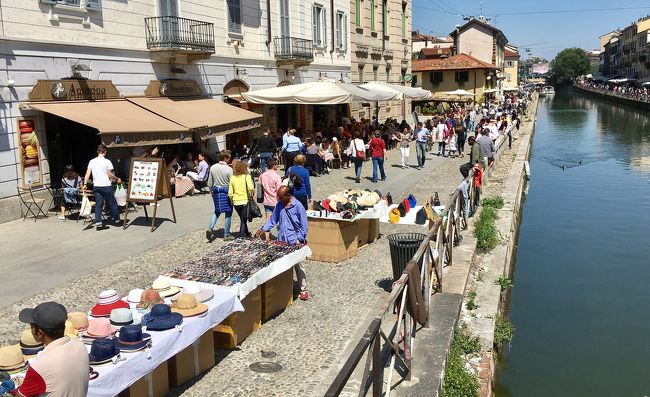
(402, 248)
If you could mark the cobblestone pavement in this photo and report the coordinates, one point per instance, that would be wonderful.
(309, 337)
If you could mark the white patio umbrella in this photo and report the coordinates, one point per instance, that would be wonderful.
(324, 92)
(403, 91)
(461, 93)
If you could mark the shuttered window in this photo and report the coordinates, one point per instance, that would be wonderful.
(234, 16)
(372, 15)
(357, 13)
(341, 30)
(319, 25)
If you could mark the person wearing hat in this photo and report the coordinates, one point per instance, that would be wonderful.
(61, 369)
(290, 217)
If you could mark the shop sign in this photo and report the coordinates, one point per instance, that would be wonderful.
(29, 156)
(172, 88)
(162, 138)
(73, 90)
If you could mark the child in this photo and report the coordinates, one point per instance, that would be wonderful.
(451, 143)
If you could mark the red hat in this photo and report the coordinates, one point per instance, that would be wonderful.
(107, 301)
(326, 204)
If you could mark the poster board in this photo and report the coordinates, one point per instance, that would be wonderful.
(148, 183)
(29, 157)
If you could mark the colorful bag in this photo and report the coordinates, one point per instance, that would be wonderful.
(421, 217)
(411, 200)
(401, 208)
(360, 154)
(407, 205)
(394, 216)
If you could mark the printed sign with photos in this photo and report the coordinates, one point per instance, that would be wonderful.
(143, 183)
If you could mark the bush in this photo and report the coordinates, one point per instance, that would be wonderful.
(459, 382)
(503, 332)
(493, 202)
(471, 301)
(485, 230)
(504, 282)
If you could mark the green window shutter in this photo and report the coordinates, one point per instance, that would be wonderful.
(372, 14)
(357, 15)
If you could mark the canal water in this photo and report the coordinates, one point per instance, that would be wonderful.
(581, 300)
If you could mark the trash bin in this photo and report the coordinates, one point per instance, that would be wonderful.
(402, 248)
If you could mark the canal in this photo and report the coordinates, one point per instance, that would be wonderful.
(581, 300)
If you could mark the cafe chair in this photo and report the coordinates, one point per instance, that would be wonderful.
(33, 206)
(202, 186)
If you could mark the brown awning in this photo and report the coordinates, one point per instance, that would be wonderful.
(119, 122)
(209, 117)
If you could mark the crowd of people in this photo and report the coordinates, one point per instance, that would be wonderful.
(626, 90)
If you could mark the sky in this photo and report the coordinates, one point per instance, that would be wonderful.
(544, 27)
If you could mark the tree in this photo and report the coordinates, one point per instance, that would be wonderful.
(569, 64)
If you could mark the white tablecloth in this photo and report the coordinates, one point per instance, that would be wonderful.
(276, 268)
(114, 378)
(409, 219)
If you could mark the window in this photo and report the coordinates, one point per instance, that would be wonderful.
(341, 30)
(403, 20)
(361, 80)
(462, 76)
(319, 25)
(436, 77)
(375, 73)
(509, 64)
(508, 77)
(357, 13)
(90, 4)
(234, 16)
(372, 15)
(384, 18)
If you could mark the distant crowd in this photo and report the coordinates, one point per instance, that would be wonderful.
(626, 90)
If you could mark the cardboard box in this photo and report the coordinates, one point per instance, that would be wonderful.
(158, 379)
(195, 359)
(331, 240)
(235, 328)
(368, 231)
(277, 294)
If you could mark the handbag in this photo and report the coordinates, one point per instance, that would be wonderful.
(394, 216)
(389, 198)
(360, 154)
(401, 208)
(252, 208)
(86, 206)
(407, 205)
(120, 195)
(411, 200)
(421, 217)
(260, 193)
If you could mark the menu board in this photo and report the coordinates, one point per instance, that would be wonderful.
(143, 183)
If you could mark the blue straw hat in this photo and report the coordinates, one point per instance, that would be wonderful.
(161, 318)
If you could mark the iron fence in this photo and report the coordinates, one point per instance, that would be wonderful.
(293, 48)
(181, 34)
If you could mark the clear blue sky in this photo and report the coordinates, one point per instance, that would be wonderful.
(545, 33)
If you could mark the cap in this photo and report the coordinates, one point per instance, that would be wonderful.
(49, 315)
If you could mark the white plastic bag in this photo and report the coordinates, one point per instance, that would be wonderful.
(120, 195)
(85, 206)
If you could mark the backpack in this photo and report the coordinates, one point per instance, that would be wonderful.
(70, 193)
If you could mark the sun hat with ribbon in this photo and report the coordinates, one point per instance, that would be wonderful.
(187, 305)
(107, 301)
(28, 345)
(131, 338)
(134, 297)
(11, 359)
(102, 351)
(98, 328)
(149, 298)
(120, 317)
(202, 295)
(164, 288)
(161, 318)
(79, 320)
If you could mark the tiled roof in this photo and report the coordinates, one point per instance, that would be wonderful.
(456, 62)
(417, 36)
(478, 22)
(510, 53)
(435, 51)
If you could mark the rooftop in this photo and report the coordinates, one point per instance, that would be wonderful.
(475, 21)
(456, 62)
(434, 52)
(510, 53)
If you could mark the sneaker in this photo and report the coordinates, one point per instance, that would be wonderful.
(118, 222)
(102, 227)
(228, 238)
(195, 191)
(357, 180)
(304, 295)
(61, 217)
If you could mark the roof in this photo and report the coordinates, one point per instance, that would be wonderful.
(433, 52)
(508, 53)
(456, 62)
(417, 36)
(477, 22)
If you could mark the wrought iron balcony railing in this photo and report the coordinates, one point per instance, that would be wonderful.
(293, 48)
(180, 34)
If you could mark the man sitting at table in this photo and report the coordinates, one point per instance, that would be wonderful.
(290, 216)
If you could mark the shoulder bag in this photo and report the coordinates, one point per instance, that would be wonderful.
(360, 154)
(252, 208)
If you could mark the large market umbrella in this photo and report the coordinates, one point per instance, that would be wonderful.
(324, 92)
(401, 90)
(461, 93)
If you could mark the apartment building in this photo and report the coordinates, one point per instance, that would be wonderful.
(511, 68)
(626, 52)
(60, 58)
(420, 41)
(380, 36)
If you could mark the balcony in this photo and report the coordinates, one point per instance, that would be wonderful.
(170, 37)
(293, 50)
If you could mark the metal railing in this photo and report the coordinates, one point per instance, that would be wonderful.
(293, 48)
(180, 34)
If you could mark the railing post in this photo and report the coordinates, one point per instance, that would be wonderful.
(377, 368)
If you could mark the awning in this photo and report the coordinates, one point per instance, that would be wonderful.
(209, 117)
(317, 93)
(404, 91)
(119, 122)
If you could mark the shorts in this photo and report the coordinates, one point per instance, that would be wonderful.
(268, 208)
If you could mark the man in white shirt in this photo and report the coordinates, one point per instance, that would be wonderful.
(101, 169)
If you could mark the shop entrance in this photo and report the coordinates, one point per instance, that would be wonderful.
(69, 142)
(286, 116)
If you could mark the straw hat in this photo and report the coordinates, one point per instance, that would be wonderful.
(161, 318)
(70, 331)
(149, 298)
(28, 345)
(121, 317)
(11, 359)
(79, 320)
(134, 297)
(164, 288)
(107, 301)
(102, 352)
(99, 328)
(187, 305)
(202, 295)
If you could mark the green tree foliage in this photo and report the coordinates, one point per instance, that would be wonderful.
(569, 64)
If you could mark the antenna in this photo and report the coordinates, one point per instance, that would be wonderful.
(481, 9)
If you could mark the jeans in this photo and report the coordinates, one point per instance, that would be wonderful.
(105, 194)
(378, 161)
(441, 148)
(242, 211)
(405, 155)
(461, 147)
(226, 223)
(264, 157)
(358, 163)
(421, 150)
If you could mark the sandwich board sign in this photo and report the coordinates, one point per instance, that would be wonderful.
(148, 183)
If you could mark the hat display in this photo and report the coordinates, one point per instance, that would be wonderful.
(99, 328)
(11, 359)
(187, 305)
(107, 301)
(161, 318)
(134, 296)
(79, 320)
(120, 317)
(202, 295)
(102, 351)
(149, 298)
(48, 315)
(131, 339)
(164, 288)
(28, 345)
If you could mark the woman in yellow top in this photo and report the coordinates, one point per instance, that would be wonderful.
(239, 190)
